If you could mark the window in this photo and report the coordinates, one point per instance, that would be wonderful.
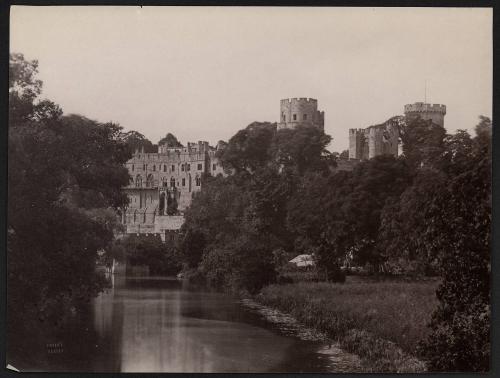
(183, 182)
(214, 167)
(132, 167)
(164, 168)
(305, 117)
(144, 166)
(172, 182)
(200, 167)
(182, 167)
(154, 168)
(283, 116)
(295, 117)
(173, 168)
(188, 167)
(198, 181)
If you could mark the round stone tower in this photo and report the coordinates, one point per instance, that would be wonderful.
(433, 112)
(300, 111)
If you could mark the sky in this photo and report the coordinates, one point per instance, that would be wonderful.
(203, 73)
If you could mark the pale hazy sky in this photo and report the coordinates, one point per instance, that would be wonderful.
(204, 73)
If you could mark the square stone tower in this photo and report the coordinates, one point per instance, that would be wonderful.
(300, 111)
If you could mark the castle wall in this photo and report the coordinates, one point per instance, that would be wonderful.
(358, 144)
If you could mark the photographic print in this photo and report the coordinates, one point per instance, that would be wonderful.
(249, 189)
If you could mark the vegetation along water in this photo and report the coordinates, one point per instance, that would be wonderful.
(424, 216)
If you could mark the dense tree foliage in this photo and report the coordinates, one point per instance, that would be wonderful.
(458, 233)
(427, 212)
(150, 251)
(249, 148)
(170, 140)
(423, 142)
(64, 180)
(138, 142)
(235, 223)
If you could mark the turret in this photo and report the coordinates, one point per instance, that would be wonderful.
(433, 112)
(300, 111)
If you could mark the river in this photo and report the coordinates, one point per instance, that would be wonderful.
(163, 325)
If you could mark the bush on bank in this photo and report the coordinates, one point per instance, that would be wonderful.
(382, 322)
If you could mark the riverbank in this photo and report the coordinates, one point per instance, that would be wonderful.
(381, 322)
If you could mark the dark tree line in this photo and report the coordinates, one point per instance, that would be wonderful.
(65, 175)
(427, 212)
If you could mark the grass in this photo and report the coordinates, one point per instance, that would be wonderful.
(381, 321)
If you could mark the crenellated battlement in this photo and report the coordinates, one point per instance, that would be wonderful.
(356, 131)
(298, 99)
(300, 111)
(421, 107)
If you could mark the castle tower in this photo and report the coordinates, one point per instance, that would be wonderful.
(358, 144)
(433, 112)
(300, 111)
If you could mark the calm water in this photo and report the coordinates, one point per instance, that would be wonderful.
(160, 325)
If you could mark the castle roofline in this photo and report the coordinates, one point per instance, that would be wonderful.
(295, 99)
(425, 107)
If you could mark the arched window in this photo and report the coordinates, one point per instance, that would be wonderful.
(138, 181)
(172, 182)
(149, 181)
(162, 203)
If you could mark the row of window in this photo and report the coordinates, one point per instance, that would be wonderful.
(294, 117)
(186, 167)
(149, 182)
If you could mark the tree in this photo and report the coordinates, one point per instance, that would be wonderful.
(170, 141)
(64, 181)
(159, 257)
(459, 228)
(137, 142)
(24, 89)
(423, 142)
(403, 222)
(249, 148)
(302, 148)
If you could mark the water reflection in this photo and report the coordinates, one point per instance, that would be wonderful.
(159, 325)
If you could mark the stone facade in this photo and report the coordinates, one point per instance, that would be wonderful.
(358, 144)
(374, 140)
(300, 111)
(384, 138)
(158, 180)
(433, 112)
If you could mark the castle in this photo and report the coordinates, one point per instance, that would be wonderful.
(163, 184)
(384, 138)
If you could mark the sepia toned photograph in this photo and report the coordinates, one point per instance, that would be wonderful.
(249, 189)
